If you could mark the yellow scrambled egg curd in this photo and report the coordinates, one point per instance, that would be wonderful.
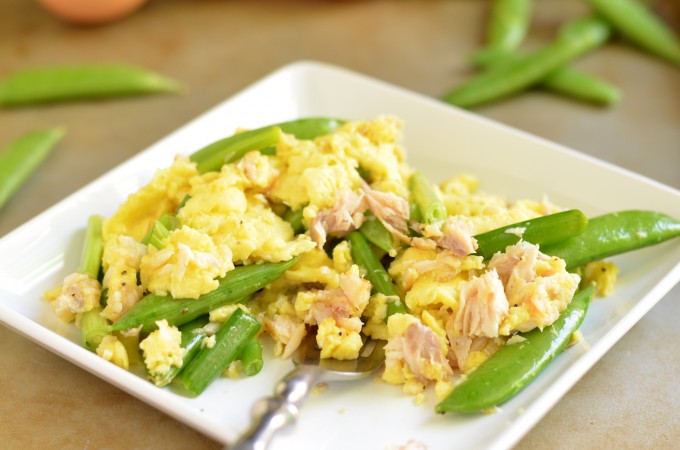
(162, 194)
(187, 266)
(113, 350)
(162, 350)
(602, 274)
(336, 341)
(226, 209)
(121, 261)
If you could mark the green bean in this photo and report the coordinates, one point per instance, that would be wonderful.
(192, 338)
(232, 148)
(508, 24)
(21, 158)
(375, 232)
(80, 82)
(611, 234)
(568, 81)
(238, 284)
(574, 40)
(364, 257)
(209, 363)
(636, 22)
(514, 366)
(251, 357)
(429, 204)
(543, 230)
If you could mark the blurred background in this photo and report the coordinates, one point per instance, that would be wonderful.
(215, 48)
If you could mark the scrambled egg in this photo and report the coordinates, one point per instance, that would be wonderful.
(461, 309)
(162, 350)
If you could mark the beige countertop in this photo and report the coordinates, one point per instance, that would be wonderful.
(629, 399)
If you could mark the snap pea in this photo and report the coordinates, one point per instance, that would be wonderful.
(567, 81)
(375, 232)
(192, 338)
(20, 159)
(614, 233)
(573, 41)
(637, 23)
(230, 149)
(508, 24)
(80, 82)
(514, 366)
(431, 207)
(238, 284)
(210, 362)
(542, 230)
(364, 257)
(212, 157)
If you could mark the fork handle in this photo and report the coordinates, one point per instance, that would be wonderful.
(279, 411)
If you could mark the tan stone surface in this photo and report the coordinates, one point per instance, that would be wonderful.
(629, 400)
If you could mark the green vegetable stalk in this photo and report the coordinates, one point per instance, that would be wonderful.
(230, 341)
(93, 327)
(429, 204)
(364, 257)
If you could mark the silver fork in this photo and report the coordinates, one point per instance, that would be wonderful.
(272, 414)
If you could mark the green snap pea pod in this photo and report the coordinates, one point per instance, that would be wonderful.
(429, 204)
(80, 82)
(614, 233)
(576, 39)
(508, 24)
(295, 218)
(581, 85)
(376, 233)
(542, 230)
(20, 159)
(364, 257)
(238, 284)
(192, 338)
(232, 148)
(569, 82)
(209, 363)
(514, 366)
(251, 357)
(93, 327)
(311, 127)
(636, 22)
(212, 157)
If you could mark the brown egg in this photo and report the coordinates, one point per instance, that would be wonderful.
(91, 12)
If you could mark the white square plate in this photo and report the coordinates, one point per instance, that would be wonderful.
(440, 140)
